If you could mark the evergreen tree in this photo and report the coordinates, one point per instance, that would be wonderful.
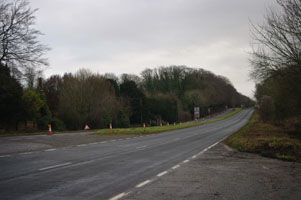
(10, 99)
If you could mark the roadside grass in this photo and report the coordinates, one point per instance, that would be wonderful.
(158, 129)
(128, 131)
(267, 140)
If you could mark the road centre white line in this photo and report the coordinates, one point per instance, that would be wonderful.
(25, 153)
(186, 161)
(81, 145)
(82, 163)
(143, 183)
(4, 156)
(55, 166)
(141, 147)
(50, 149)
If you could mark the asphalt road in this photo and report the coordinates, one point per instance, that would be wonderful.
(13, 145)
(105, 169)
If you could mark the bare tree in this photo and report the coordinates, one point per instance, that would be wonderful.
(31, 76)
(86, 98)
(277, 43)
(19, 45)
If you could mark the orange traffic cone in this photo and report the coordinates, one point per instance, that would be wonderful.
(143, 125)
(111, 126)
(49, 131)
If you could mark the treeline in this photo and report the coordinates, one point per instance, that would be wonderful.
(277, 66)
(165, 94)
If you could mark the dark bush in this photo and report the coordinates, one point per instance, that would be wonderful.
(58, 125)
(123, 120)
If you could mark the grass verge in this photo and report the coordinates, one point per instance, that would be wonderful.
(267, 140)
(128, 131)
(158, 129)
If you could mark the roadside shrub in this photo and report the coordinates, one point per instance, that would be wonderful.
(58, 125)
(45, 115)
(122, 120)
(292, 125)
(43, 122)
(267, 108)
(107, 120)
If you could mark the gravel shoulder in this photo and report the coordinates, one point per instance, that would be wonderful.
(225, 173)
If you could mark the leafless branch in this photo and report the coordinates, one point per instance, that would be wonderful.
(19, 45)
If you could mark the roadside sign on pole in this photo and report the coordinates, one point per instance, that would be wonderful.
(196, 112)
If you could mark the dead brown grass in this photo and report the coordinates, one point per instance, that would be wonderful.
(266, 139)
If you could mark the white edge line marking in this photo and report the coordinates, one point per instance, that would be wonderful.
(93, 143)
(141, 147)
(81, 145)
(193, 157)
(212, 145)
(162, 174)
(165, 172)
(54, 166)
(103, 142)
(143, 183)
(50, 149)
(175, 167)
(3, 156)
(119, 196)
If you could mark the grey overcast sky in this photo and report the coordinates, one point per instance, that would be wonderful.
(127, 36)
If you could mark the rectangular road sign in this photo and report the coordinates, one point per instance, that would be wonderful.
(196, 112)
